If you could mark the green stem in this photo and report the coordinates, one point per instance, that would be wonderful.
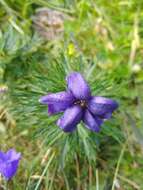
(5, 184)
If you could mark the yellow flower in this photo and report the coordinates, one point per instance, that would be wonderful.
(71, 49)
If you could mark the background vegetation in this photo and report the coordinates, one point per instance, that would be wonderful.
(41, 42)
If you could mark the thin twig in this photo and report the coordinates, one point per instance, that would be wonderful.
(90, 176)
(135, 42)
(97, 180)
(44, 171)
(77, 172)
(118, 164)
(131, 183)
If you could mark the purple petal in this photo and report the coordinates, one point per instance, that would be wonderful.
(57, 107)
(60, 97)
(8, 170)
(102, 106)
(106, 115)
(9, 163)
(78, 86)
(12, 155)
(70, 119)
(92, 122)
(2, 156)
(58, 102)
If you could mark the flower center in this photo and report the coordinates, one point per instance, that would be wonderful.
(82, 103)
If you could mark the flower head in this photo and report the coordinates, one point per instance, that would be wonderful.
(9, 162)
(78, 104)
(3, 89)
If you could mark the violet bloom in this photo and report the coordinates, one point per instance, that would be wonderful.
(3, 89)
(78, 104)
(9, 162)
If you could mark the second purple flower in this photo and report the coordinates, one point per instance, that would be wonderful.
(9, 162)
(78, 104)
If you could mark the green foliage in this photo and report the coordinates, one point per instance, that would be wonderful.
(102, 41)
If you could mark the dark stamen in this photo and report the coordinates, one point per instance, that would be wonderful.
(82, 103)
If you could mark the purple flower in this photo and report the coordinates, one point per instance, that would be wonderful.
(3, 89)
(9, 162)
(78, 104)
